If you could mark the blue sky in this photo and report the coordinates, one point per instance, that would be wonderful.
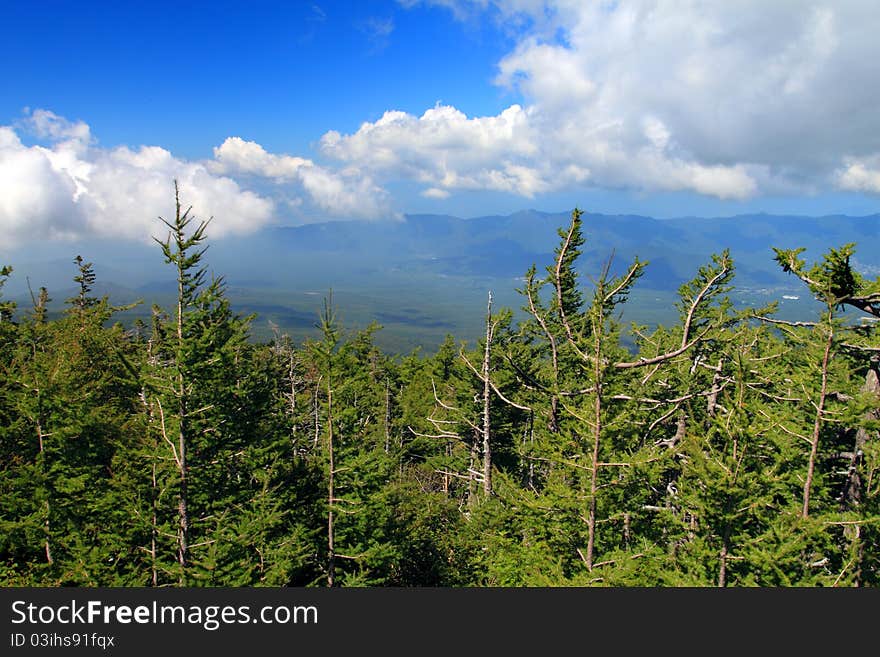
(289, 112)
(188, 75)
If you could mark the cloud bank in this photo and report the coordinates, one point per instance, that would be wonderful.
(722, 99)
(346, 193)
(69, 187)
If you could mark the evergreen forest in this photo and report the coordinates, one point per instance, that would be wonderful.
(732, 448)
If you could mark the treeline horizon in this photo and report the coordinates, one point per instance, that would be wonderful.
(732, 448)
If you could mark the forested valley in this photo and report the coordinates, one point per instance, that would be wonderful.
(730, 449)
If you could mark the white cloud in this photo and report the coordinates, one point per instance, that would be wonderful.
(49, 125)
(236, 154)
(446, 150)
(433, 192)
(860, 175)
(72, 188)
(36, 199)
(346, 194)
(728, 99)
(126, 183)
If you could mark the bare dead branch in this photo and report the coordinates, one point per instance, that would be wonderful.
(165, 433)
(782, 322)
(491, 384)
(642, 362)
(437, 436)
(661, 420)
(437, 399)
(552, 340)
(633, 269)
(855, 347)
(725, 269)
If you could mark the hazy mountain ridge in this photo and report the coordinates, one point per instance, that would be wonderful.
(507, 245)
(428, 274)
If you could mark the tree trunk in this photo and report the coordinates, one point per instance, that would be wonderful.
(817, 425)
(474, 458)
(853, 493)
(154, 528)
(331, 548)
(712, 399)
(553, 423)
(594, 462)
(181, 393)
(680, 429)
(154, 495)
(594, 484)
(530, 477)
(292, 399)
(47, 547)
(182, 511)
(722, 569)
(448, 453)
(316, 409)
(487, 444)
(387, 416)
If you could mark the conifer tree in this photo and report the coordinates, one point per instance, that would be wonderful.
(69, 390)
(597, 388)
(844, 426)
(208, 410)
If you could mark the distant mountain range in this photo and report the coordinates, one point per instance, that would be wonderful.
(428, 274)
(507, 245)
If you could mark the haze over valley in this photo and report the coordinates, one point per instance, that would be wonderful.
(428, 275)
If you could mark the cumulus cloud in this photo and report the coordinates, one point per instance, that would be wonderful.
(126, 183)
(433, 192)
(236, 154)
(347, 193)
(71, 188)
(67, 187)
(446, 150)
(49, 125)
(718, 98)
(860, 175)
(36, 198)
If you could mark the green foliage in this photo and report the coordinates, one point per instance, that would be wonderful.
(730, 448)
(6, 307)
(832, 280)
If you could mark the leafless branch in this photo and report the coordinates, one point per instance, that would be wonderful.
(642, 362)
(438, 436)
(725, 268)
(783, 322)
(623, 282)
(491, 384)
(165, 433)
(552, 340)
(437, 399)
(855, 347)
(661, 420)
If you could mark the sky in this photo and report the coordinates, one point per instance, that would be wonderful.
(284, 113)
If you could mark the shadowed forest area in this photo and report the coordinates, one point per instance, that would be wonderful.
(732, 448)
